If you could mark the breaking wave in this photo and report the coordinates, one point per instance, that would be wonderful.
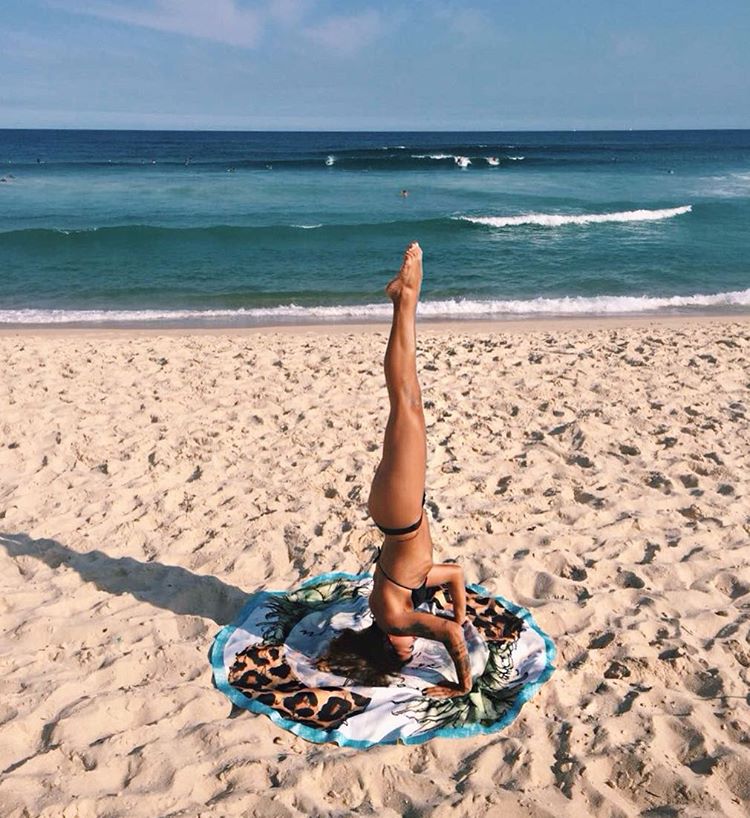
(560, 219)
(446, 309)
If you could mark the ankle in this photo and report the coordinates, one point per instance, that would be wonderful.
(405, 303)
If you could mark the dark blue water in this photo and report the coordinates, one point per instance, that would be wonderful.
(248, 227)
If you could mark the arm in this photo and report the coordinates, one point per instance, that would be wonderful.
(447, 631)
(452, 575)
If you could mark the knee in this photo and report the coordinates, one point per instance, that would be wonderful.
(408, 398)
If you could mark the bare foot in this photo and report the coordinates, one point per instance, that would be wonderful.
(409, 278)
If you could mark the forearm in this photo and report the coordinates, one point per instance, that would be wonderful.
(456, 646)
(458, 598)
(452, 575)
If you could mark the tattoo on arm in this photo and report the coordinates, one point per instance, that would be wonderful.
(460, 655)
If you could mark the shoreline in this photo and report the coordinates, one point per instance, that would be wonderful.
(439, 326)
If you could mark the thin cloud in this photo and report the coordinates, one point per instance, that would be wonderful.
(347, 34)
(288, 12)
(222, 21)
(231, 23)
(468, 25)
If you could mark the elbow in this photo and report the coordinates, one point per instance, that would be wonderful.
(457, 575)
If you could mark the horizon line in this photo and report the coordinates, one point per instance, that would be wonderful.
(365, 130)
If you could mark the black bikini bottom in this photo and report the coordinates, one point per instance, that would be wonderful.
(394, 532)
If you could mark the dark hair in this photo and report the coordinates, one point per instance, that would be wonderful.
(365, 656)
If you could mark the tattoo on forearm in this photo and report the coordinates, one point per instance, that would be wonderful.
(460, 656)
(456, 645)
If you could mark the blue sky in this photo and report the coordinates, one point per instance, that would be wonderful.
(312, 64)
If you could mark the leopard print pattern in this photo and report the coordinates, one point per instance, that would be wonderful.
(491, 619)
(262, 673)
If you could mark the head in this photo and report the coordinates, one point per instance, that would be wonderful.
(366, 656)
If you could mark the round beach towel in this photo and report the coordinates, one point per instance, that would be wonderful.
(265, 662)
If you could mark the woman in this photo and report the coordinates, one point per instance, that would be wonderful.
(404, 571)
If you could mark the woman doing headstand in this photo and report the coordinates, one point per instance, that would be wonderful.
(404, 568)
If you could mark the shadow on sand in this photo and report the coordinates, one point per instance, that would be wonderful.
(166, 586)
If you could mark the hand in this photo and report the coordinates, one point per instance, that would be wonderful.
(447, 690)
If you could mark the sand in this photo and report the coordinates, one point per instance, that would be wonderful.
(596, 475)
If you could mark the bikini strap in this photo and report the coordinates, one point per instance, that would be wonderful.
(391, 579)
(395, 582)
(395, 532)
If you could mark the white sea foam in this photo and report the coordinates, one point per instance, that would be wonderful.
(307, 226)
(728, 185)
(461, 161)
(463, 308)
(73, 230)
(560, 219)
(516, 158)
(492, 160)
(581, 305)
(330, 160)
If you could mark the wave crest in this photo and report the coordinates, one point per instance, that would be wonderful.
(463, 308)
(560, 219)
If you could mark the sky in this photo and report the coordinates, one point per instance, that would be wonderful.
(356, 65)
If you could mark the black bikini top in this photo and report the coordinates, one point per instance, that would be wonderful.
(418, 595)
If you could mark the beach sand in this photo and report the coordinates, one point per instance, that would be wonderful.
(594, 474)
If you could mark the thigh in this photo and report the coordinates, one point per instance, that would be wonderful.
(398, 486)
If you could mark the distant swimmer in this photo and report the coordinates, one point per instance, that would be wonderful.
(404, 193)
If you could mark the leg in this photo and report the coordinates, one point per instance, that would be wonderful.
(397, 488)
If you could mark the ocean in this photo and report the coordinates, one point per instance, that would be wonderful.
(232, 228)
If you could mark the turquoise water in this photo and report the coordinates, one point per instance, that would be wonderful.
(257, 227)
